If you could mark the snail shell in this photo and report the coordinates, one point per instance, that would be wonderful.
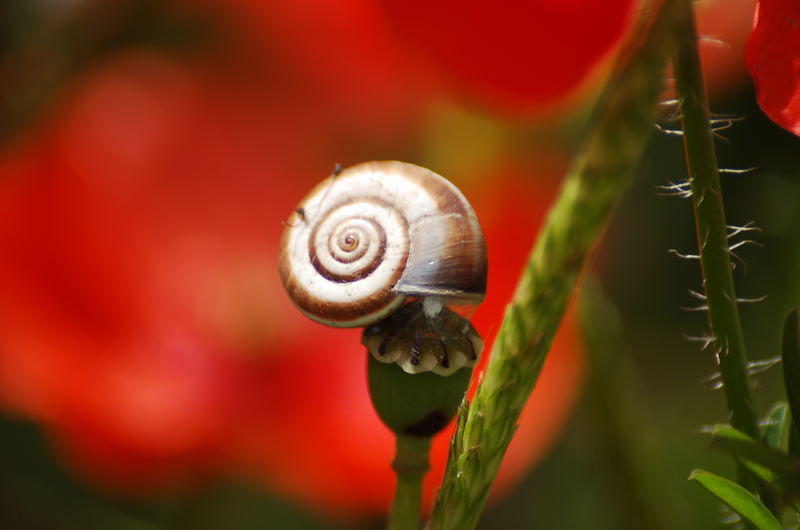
(371, 235)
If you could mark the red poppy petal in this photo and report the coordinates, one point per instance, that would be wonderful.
(516, 55)
(773, 58)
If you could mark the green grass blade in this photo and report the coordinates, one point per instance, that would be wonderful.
(738, 499)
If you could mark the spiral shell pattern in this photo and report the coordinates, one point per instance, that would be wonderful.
(368, 237)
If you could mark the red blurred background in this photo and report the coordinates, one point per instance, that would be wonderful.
(151, 151)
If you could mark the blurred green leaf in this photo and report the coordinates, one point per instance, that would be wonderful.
(791, 362)
(621, 423)
(775, 430)
(794, 440)
(738, 499)
(772, 466)
(744, 447)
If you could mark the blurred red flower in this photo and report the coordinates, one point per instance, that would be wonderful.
(773, 58)
(142, 319)
(517, 56)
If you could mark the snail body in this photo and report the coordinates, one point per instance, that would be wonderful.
(374, 234)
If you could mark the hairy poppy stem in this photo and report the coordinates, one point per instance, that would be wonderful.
(410, 464)
(712, 233)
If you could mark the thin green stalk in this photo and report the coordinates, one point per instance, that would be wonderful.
(712, 238)
(621, 430)
(599, 175)
(712, 234)
(410, 464)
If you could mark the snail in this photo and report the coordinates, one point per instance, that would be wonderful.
(374, 236)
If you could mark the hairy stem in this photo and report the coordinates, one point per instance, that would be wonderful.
(600, 173)
(410, 465)
(712, 235)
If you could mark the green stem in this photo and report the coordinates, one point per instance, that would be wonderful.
(712, 235)
(712, 238)
(600, 174)
(410, 464)
(621, 428)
